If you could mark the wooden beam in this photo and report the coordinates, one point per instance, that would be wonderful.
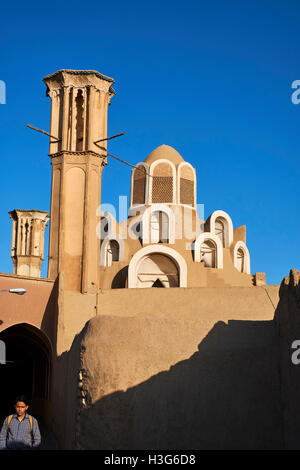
(43, 132)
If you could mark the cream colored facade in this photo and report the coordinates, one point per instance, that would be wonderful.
(201, 352)
(164, 242)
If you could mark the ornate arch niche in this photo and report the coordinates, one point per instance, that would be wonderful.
(162, 182)
(139, 185)
(209, 250)
(241, 257)
(221, 225)
(186, 184)
(157, 266)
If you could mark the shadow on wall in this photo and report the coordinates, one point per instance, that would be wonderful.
(225, 396)
(287, 319)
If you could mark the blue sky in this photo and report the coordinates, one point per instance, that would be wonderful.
(211, 79)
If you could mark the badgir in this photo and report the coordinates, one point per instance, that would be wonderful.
(152, 333)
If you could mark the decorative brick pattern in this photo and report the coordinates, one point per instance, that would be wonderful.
(162, 189)
(139, 186)
(186, 191)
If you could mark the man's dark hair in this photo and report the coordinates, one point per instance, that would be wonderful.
(22, 398)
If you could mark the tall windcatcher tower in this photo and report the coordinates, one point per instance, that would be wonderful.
(79, 108)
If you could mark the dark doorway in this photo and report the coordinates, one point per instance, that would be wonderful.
(157, 283)
(27, 369)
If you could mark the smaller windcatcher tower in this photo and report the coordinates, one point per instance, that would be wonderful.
(27, 245)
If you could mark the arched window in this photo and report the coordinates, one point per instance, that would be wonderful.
(139, 185)
(112, 252)
(208, 249)
(79, 120)
(241, 257)
(208, 254)
(240, 260)
(159, 226)
(187, 185)
(162, 183)
(220, 224)
(220, 230)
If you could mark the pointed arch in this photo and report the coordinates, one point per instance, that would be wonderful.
(29, 354)
(139, 185)
(186, 186)
(220, 224)
(163, 225)
(241, 257)
(173, 258)
(162, 183)
(112, 249)
(209, 241)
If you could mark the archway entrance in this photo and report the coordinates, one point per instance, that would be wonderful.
(26, 371)
(157, 270)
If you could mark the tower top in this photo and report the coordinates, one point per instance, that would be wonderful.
(164, 152)
(80, 99)
(80, 72)
(69, 77)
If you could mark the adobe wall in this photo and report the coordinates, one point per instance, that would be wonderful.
(36, 307)
(189, 368)
(287, 320)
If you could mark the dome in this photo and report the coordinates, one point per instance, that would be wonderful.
(164, 152)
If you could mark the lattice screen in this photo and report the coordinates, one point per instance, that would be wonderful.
(186, 191)
(139, 186)
(162, 189)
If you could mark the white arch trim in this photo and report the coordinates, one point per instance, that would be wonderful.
(146, 226)
(154, 164)
(201, 239)
(104, 245)
(242, 245)
(178, 183)
(153, 249)
(229, 228)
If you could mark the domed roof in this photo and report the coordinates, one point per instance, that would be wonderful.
(166, 152)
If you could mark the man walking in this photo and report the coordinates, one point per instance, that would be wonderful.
(20, 430)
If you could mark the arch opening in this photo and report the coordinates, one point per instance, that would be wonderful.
(162, 183)
(27, 370)
(112, 252)
(159, 223)
(157, 270)
(208, 254)
(139, 185)
(240, 260)
(220, 230)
